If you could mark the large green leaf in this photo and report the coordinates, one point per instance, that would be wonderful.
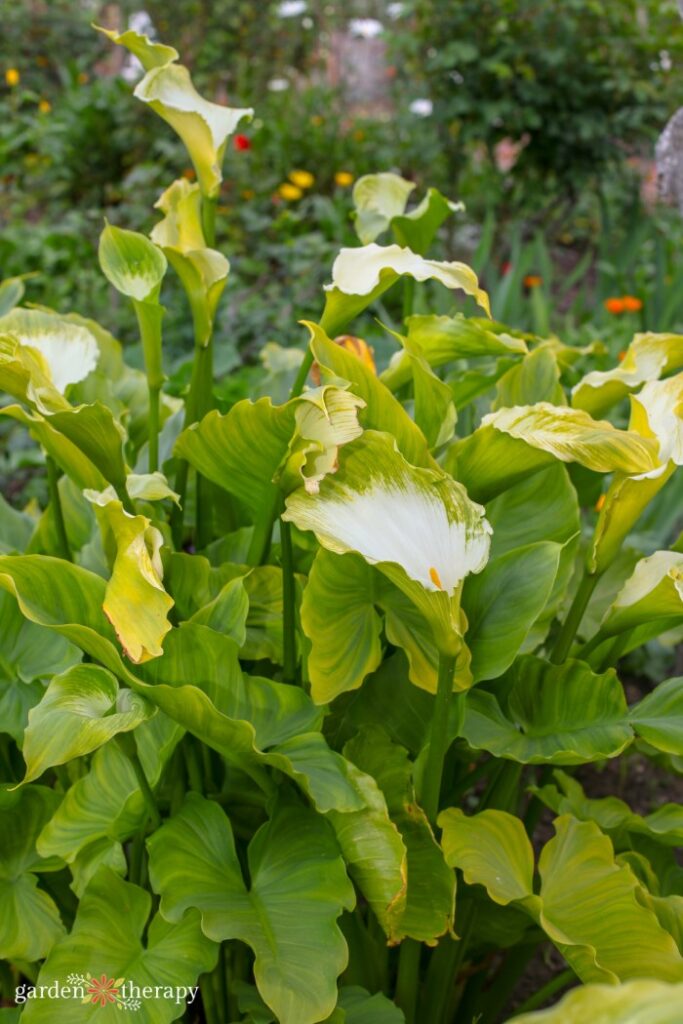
(658, 718)
(588, 903)
(82, 709)
(338, 616)
(287, 913)
(591, 910)
(28, 654)
(512, 443)
(54, 592)
(361, 1008)
(246, 449)
(551, 714)
(535, 378)
(359, 276)
(635, 1002)
(491, 849)
(15, 528)
(430, 899)
(29, 919)
(107, 939)
(612, 815)
(503, 602)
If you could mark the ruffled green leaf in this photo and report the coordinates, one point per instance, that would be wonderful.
(339, 618)
(359, 276)
(491, 849)
(503, 602)
(443, 339)
(29, 919)
(551, 714)
(287, 912)
(107, 939)
(647, 358)
(417, 229)
(635, 1002)
(535, 378)
(512, 443)
(256, 443)
(429, 905)
(82, 709)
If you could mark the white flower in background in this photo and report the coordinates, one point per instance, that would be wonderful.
(278, 85)
(141, 23)
(307, 22)
(395, 11)
(366, 28)
(421, 107)
(291, 8)
(665, 61)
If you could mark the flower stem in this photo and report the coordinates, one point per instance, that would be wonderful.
(304, 370)
(209, 221)
(572, 622)
(153, 429)
(408, 978)
(145, 787)
(58, 512)
(197, 404)
(438, 741)
(288, 604)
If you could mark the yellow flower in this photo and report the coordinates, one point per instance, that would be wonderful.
(83, 78)
(290, 192)
(343, 179)
(44, 106)
(302, 179)
(12, 77)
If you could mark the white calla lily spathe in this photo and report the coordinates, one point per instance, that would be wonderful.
(69, 350)
(656, 415)
(167, 88)
(647, 358)
(418, 526)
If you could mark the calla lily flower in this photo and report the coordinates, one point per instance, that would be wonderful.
(651, 597)
(69, 351)
(647, 358)
(361, 275)
(418, 526)
(135, 601)
(655, 415)
(167, 88)
(380, 201)
(202, 271)
(204, 127)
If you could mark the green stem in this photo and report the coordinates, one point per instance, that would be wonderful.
(544, 993)
(197, 404)
(408, 978)
(58, 511)
(304, 370)
(209, 220)
(153, 429)
(208, 1000)
(438, 741)
(575, 614)
(145, 788)
(288, 604)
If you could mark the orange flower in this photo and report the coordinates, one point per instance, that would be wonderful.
(614, 305)
(632, 304)
(83, 78)
(600, 502)
(189, 173)
(621, 355)
(532, 281)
